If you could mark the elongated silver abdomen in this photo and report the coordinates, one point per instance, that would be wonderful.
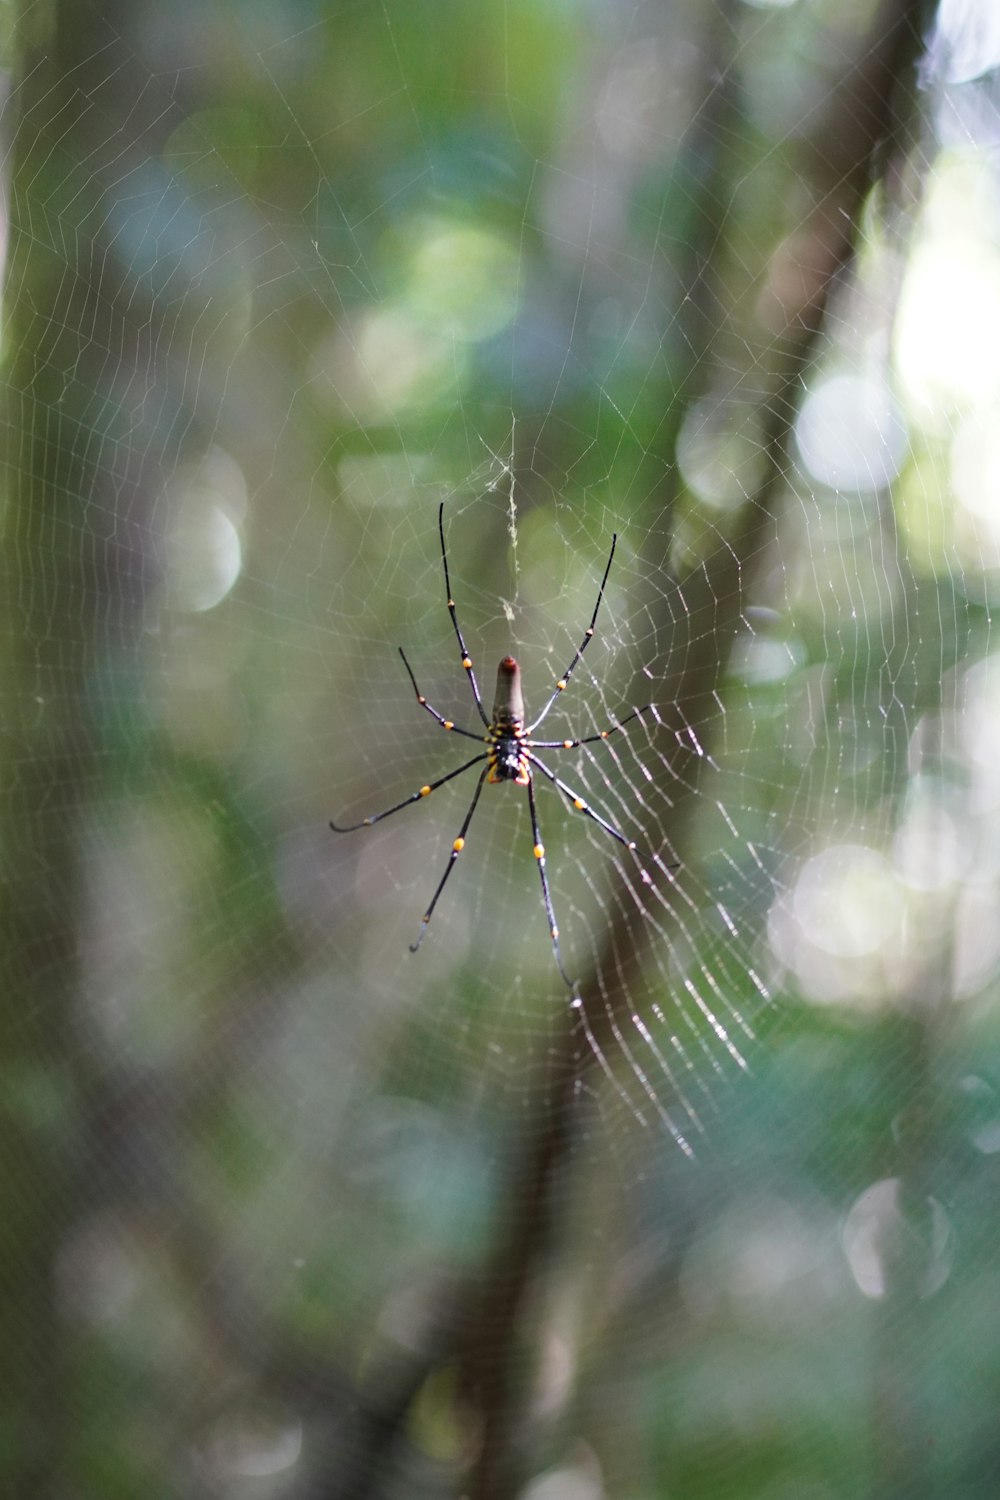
(508, 705)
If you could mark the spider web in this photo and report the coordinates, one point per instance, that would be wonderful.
(717, 279)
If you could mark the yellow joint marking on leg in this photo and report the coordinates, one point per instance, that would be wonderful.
(425, 791)
(567, 744)
(561, 684)
(421, 699)
(447, 724)
(539, 851)
(467, 663)
(589, 630)
(579, 804)
(458, 846)
(555, 932)
(605, 733)
(631, 845)
(368, 822)
(451, 604)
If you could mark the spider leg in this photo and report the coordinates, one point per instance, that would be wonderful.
(539, 852)
(466, 658)
(456, 850)
(424, 791)
(590, 739)
(587, 637)
(445, 723)
(577, 801)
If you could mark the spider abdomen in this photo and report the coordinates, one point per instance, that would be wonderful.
(508, 761)
(508, 701)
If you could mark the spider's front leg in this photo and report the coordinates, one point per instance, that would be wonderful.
(588, 636)
(466, 658)
(445, 723)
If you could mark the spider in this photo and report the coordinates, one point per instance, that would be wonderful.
(510, 754)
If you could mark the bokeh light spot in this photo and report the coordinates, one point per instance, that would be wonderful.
(204, 554)
(888, 1249)
(463, 282)
(850, 434)
(948, 328)
(847, 900)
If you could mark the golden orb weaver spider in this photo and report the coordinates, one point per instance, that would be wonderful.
(510, 755)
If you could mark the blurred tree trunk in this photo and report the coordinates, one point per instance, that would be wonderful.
(836, 164)
(79, 375)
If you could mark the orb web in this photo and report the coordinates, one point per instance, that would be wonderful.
(713, 279)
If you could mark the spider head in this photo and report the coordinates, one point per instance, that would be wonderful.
(508, 705)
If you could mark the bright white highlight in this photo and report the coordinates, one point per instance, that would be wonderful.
(966, 41)
(847, 900)
(204, 554)
(975, 473)
(841, 928)
(250, 1444)
(949, 326)
(887, 1250)
(851, 435)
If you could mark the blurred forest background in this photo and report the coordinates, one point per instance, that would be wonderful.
(288, 1211)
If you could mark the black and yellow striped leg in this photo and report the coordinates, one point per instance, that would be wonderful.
(588, 636)
(424, 791)
(590, 739)
(539, 852)
(456, 850)
(445, 723)
(579, 804)
(466, 658)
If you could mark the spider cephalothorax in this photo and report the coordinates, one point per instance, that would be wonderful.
(510, 754)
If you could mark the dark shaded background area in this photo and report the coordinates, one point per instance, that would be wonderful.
(286, 1211)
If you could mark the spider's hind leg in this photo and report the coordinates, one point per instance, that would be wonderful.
(539, 852)
(456, 850)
